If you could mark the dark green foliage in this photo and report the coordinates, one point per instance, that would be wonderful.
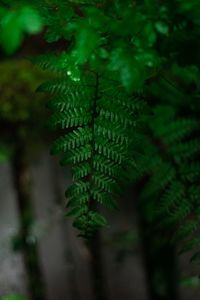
(108, 128)
(168, 157)
(16, 21)
(126, 102)
(95, 119)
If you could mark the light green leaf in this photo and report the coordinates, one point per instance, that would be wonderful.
(14, 24)
(11, 33)
(13, 297)
(30, 20)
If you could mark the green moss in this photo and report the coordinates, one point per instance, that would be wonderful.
(18, 100)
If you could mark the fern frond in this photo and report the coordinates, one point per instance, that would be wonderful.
(164, 174)
(176, 130)
(190, 171)
(112, 132)
(78, 188)
(72, 118)
(172, 196)
(78, 155)
(185, 231)
(185, 150)
(119, 117)
(104, 182)
(63, 102)
(96, 144)
(72, 140)
(51, 62)
(167, 155)
(103, 198)
(81, 171)
(104, 165)
(112, 151)
(62, 87)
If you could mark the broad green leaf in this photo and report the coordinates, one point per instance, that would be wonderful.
(14, 24)
(86, 41)
(30, 20)
(11, 33)
(132, 71)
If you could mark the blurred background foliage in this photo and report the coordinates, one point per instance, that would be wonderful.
(23, 111)
(20, 106)
(151, 46)
(13, 297)
(17, 21)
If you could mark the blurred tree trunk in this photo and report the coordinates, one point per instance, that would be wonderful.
(160, 264)
(160, 260)
(97, 267)
(74, 289)
(25, 241)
